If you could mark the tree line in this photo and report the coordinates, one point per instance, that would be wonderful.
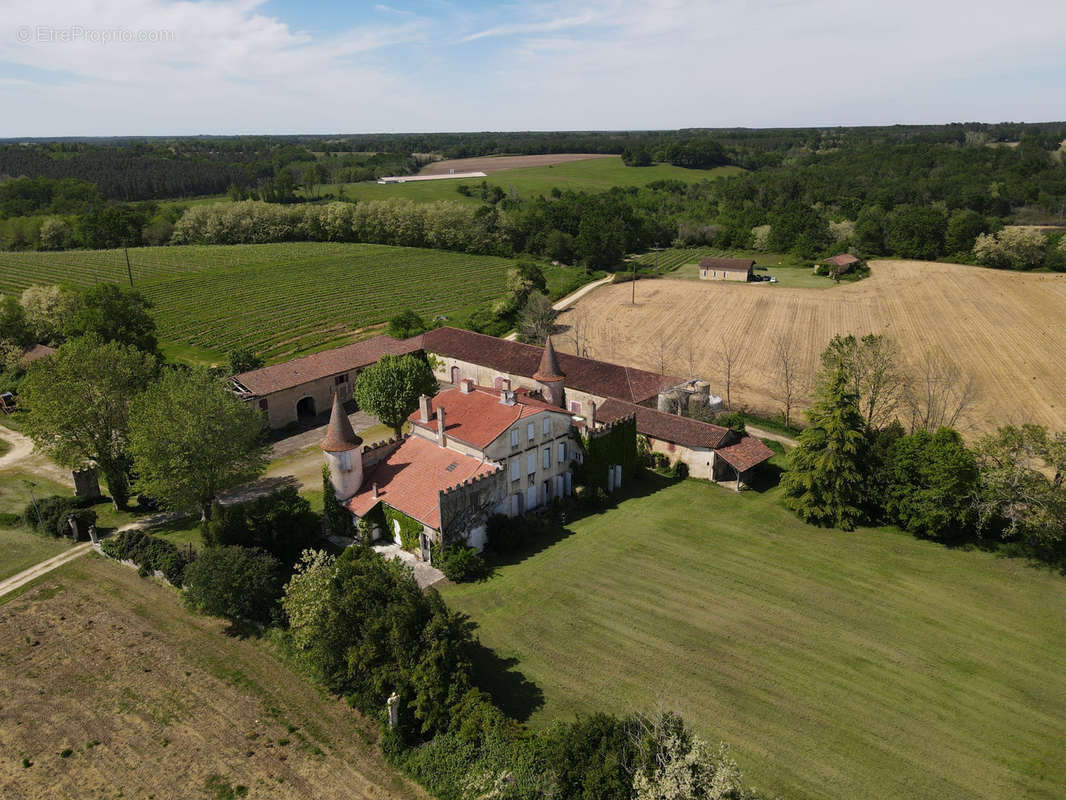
(856, 463)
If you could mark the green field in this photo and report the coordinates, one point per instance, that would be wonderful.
(837, 665)
(279, 299)
(597, 174)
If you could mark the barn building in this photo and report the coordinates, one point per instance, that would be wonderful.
(841, 263)
(301, 389)
(726, 269)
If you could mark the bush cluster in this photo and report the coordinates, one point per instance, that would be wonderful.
(49, 514)
(460, 563)
(149, 553)
(281, 523)
(242, 584)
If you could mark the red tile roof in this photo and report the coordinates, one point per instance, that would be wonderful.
(479, 417)
(747, 453)
(411, 479)
(585, 374)
(665, 427)
(727, 264)
(842, 260)
(35, 352)
(289, 374)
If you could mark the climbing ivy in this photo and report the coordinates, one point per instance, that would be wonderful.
(336, 519)
(410, 527)
(617, 446)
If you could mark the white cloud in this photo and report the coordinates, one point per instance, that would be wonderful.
(232, 67)
(543, 26)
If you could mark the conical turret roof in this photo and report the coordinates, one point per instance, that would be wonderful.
(340, 437)
(549, 365)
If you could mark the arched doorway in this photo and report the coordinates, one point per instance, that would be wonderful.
(305, 409)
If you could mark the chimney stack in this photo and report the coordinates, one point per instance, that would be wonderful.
(374, 488)
(425, 408)
(440, 427)
(507, 397)
(592, 414)
(505, 384)
(466, 385)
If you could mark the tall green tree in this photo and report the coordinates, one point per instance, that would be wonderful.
(79, 404)
(929, 485)
(192, 438)
(242, 584)
(826, 473)
(390, 389)
(114, 314)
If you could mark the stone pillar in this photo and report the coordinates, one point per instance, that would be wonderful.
(393, 706)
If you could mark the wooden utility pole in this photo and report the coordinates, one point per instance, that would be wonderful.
(129, 269)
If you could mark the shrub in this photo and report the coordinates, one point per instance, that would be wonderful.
(149, 553)
(46, 513)
(239, 583)
(281, 523)
(460, 563)
(732, 420)
(680, 469)
(9, 520)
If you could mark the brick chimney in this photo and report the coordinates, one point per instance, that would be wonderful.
(374, 488)
(592, 414)
(440, 427)
(507, 397)
(466, 385)
(425, 408)
(505, 384)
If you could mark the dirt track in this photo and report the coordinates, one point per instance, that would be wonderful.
(1004, 328)
(490, 164)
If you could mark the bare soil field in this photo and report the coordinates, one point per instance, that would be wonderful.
(1006, 329)
(109, 688)
(490, 164)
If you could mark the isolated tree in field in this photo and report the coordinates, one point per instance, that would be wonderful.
(242, 584)
(390, 389)
(406, 324)
(244, 359)
(114, 314)
(1016, 496)
(872, 364)
(536, 320)
(827, 470)
(789, 373)
(192, 438)
(936, 393)
(79, 404)
(730, 355)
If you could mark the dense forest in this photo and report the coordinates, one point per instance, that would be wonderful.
(913, 191)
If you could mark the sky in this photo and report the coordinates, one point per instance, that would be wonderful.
(160, 67)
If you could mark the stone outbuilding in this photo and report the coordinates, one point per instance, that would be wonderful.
(726, 269)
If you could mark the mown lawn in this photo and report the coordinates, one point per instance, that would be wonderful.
(21, 548)
(593, 175)
(837, 665)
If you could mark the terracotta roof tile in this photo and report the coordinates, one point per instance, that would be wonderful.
(340, 436)
(585, 374)
(35, 352)
(288, 374)
(666, 427)
(747, 453)
(411, 479)
(479, 417)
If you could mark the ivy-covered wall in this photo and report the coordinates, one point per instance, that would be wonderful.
(616, 445)
(410, 527)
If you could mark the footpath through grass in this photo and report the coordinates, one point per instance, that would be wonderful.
(838, 665)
